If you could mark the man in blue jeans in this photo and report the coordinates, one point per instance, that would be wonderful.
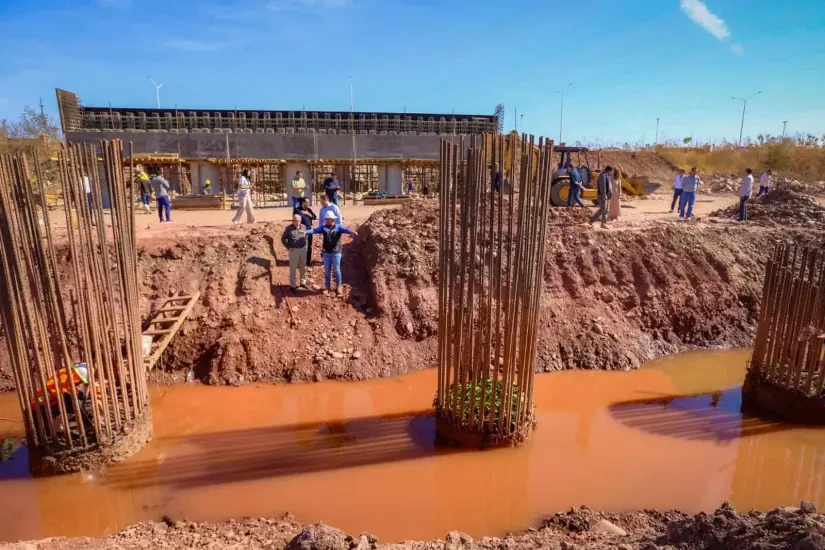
(574, 193)
(161, 187)
(331, 248)
(331, 188)
(690, 184)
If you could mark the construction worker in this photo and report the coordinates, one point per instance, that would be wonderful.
(745, 192)
(690, 184)
(298, 189)
(603, 195)
(207, 187)
(677, 189)
(61, 389)
(331, 188)
(307, 217)
(574, 195)
(244, 199)
(327, 206)
(332, 231)
(294, 239)
(765, 182)
(161, 188)
(145, 191)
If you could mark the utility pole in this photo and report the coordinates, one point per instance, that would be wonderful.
(561, 112)
(744, 106)
(657, 133)
(784, 125)
(157, 89)
(42, 119)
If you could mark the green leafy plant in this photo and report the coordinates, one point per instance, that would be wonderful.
(486, 395)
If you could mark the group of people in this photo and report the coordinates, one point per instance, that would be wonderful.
(608, 193)
(157, 184)
(686, 185)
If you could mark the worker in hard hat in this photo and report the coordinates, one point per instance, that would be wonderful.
(207, 187)
(61, 388)
(145, 187)
(331, 248)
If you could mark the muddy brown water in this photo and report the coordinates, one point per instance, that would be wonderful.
(360, 456)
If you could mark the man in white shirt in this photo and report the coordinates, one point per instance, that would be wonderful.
(677, 190)
(745, 192)
(765, 183)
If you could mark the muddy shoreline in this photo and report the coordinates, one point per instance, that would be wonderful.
(801, 528)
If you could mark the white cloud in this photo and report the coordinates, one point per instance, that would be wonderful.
(194, 45)
(737, 49)
(699, 12)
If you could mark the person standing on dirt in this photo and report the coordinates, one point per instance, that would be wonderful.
(765, 182)
(616, 195)
(745, 192)
(332, 232)
(690, 184)
(603, 194)
(327, 206)
(294, 239)
(574, 194)
(677, 189)
(161, 188)
(331, 188)
(298, 189)
(145, 187)
(307, 215)
(244, 199)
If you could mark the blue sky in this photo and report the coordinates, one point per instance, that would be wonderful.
(629, 61)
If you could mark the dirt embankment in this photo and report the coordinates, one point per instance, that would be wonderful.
(611, 299)
(725, 529)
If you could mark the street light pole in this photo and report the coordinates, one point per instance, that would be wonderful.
(561, 112)
(157, 89)
(744, 106)
(784, 125)
(657, 133)
(522, 124)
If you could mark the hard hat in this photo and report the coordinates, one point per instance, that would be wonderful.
(207, 182)
(330, 215)
(82, 370)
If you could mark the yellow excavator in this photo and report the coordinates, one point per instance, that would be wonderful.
(631, 185)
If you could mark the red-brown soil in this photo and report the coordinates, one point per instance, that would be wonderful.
(780, 207)
(725, 529)
(611, 300)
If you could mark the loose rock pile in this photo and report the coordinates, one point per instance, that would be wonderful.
(780, 207)
(799, 528)
(729, 184)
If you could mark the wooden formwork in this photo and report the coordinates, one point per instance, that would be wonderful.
(788, 362)
(491, 252)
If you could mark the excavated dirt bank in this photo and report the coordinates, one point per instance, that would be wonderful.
(782, 528)
(780, 207)
(612, 299)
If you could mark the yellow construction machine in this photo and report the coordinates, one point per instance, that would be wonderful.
(632, 185)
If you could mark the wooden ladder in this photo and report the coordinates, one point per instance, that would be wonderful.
(166, 324)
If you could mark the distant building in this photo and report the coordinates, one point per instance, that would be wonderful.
(368, 150)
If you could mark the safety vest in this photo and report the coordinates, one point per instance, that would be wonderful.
(63, 377)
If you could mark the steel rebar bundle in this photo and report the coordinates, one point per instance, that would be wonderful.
(491, 254)
(58, 313)
(789, 351)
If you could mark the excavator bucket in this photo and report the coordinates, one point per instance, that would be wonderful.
(638, 185)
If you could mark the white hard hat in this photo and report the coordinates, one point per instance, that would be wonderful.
(330, 216)
(82, 370)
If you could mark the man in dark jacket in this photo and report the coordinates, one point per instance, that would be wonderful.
(574, 192)
(332, 233)
(603, 194)
(307, 216)
(295, 241)
(331, 188)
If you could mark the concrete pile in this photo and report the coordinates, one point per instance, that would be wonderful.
(780, 207)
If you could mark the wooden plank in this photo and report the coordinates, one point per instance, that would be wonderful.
(170, 332)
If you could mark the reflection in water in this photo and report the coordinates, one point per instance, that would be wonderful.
(360, 456)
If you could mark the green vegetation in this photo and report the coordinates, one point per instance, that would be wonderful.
(486, 394)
